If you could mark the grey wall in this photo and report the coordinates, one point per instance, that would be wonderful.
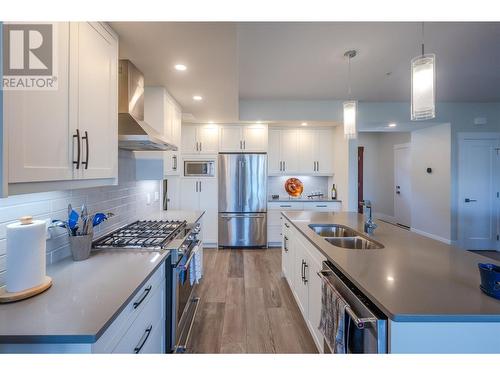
(126, 200)
(378, 169)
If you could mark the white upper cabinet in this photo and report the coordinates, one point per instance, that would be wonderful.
(94, 98)
(200, 139)
(244, 138)
(163, 114)
(40, 136)
(315, 149)
(70, 133)
(300, 151)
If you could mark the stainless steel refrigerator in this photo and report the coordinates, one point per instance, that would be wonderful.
(242, 200)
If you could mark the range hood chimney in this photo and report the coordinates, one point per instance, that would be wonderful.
(133, 132)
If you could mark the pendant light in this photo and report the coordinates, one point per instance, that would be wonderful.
(350, 106)
(423, 85)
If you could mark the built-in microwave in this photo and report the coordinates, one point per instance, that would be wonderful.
(199, 168)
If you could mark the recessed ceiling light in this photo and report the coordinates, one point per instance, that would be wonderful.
(210, 122)
(197, 98)
(392, 125)
(180, 67)
(390, 278)
(304, 124)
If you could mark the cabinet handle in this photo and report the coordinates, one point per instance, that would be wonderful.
(286, 225)
(196, 187)
(174, 158)
(201, 148)
(142, 297)
(284, 166)
(241, 145)
(321, 205)
(143, 339)
(86, 162)
(285, 244)
(306, 266)
(200, 186)
(285, 205)
(196, 146)
(302, 270)
(317, 166)
(77, 136)
(244, 145)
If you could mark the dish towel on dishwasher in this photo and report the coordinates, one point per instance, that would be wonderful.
(196, 266)
(332, 322)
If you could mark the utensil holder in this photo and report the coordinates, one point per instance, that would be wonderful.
(80, 246)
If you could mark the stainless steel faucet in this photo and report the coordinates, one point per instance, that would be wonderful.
(370, 226)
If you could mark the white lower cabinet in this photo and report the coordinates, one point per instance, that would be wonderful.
(301, 262)
(274, 220)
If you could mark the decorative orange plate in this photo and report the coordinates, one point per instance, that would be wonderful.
(294, 187)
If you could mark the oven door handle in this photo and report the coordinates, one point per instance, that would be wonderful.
(182, 348)
(194, 250)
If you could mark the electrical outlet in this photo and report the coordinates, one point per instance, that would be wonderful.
(157, 196)
(148, 199)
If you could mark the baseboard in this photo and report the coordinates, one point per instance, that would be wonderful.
(384, 217)
(430, 235)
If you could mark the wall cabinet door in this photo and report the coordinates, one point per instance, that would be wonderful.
(254, 138)
(189, 143)
(307, 150)
(289, 154)
(208, 138)
(94, 98)
(209, 204)
(231, 138)
(274, 153)
(39, 136)
(324, 151)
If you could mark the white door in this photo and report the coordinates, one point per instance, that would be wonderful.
(324, 151)
(306, 148)
(189, 195)
(189, 143)
(255, 138)
(230, 139)
(274, 154)
(289, 148)
(479, 169)
(95, 63)
(40, 136)
(209, 204)
(402, 186)
(208, 138)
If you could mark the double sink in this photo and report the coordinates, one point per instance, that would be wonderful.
(345, 237)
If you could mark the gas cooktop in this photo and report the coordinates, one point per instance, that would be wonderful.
(144, 234)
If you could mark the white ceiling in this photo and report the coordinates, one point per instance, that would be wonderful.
(209, 50)
(231, 61)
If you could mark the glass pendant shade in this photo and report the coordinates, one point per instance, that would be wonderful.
(350, 119)
(423, 87)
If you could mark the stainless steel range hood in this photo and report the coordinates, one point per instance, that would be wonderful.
(133, 132)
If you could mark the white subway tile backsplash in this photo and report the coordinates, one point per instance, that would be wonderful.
(126, 201)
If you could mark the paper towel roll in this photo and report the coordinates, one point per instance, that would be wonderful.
(26, 248)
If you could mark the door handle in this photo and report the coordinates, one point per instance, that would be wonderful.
(468, 200)
(86, 162)
(77, 136)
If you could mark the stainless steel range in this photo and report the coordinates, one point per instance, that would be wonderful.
(145, 234)
(181, 240)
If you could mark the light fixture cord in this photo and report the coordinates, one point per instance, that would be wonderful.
(423, 39)
(349, 76)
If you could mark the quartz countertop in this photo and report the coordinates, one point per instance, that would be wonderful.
(413, 278)
(86, 296)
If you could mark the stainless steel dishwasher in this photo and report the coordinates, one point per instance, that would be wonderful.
(365, 326)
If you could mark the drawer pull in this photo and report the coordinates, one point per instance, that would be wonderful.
(285, 205)
(142, 297)
(286, 225)
(143, 340)
(321, 205)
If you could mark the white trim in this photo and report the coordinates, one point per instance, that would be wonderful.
(388, 218)
(430, 235)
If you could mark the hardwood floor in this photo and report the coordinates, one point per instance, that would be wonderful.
(247, 307)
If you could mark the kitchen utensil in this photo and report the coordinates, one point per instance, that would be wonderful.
(98, 218)
(72, 218)
(294, 187)
(80, 246)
